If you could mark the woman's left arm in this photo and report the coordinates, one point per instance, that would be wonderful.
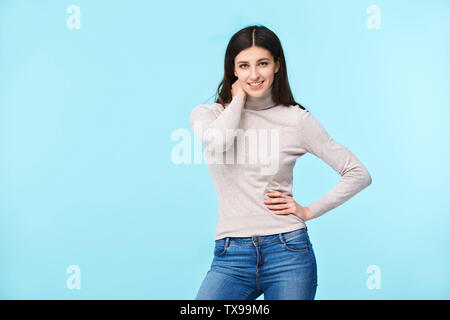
(354, 175)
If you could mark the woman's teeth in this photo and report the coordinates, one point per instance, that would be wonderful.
(255, 84)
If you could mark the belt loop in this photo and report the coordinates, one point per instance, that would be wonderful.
(227, 240)
(281, 238)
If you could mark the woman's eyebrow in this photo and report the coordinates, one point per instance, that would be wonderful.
(256, 61)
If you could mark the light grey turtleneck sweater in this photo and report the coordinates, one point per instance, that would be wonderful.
(251, 148)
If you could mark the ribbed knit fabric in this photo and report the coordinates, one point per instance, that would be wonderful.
(251, 148)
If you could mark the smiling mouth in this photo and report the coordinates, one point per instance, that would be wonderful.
(258, 83)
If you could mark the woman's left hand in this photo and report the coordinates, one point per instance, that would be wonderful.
(284, 204)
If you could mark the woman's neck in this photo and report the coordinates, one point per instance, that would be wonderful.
(260, 103)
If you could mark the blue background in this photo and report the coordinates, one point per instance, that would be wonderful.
(87, 176)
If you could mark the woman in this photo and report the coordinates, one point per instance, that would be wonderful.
(253, 134)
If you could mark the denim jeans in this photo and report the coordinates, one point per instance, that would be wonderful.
(282, 266)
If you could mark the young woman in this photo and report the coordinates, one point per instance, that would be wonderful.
(253, 134)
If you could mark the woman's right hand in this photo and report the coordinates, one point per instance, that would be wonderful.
(236, 90)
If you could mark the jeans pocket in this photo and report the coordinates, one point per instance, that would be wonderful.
(296, 242)
(220, 247)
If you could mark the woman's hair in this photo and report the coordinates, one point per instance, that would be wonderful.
(262, 37)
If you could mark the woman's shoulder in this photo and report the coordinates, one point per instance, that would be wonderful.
(209, 106)
(300, 113)
(293, 112)
(213, 108)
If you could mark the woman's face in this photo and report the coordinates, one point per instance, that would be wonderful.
(255, 64)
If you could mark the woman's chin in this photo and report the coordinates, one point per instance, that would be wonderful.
(256, 94)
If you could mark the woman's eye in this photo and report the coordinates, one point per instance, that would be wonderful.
(242, 65)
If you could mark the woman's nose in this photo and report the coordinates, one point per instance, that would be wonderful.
(254, 74)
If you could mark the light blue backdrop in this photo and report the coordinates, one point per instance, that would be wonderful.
(87, 176)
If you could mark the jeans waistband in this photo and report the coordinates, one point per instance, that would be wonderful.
(262, 239)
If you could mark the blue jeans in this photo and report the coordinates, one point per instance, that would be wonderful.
(282, 266)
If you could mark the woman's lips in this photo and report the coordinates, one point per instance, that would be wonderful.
(258, 86)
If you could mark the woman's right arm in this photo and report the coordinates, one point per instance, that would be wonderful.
(216, 128)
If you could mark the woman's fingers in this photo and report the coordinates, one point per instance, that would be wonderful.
(279, 203)
(275, 200)
(278, 206)
(277, 197)
(284, 210)
(276, 194)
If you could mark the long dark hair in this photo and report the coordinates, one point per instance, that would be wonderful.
(262, 37)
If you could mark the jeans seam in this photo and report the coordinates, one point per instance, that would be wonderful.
(295, 250)
(226, 245)
(294, 234)
(315, 266)
(245, 298)
(257, 270)
(282, 238)
(264, 257)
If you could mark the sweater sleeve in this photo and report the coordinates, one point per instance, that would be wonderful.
(217, 130)
(354, 175)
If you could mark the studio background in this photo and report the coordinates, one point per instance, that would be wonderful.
(93, 109)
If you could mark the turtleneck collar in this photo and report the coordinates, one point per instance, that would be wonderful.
(260, 103)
